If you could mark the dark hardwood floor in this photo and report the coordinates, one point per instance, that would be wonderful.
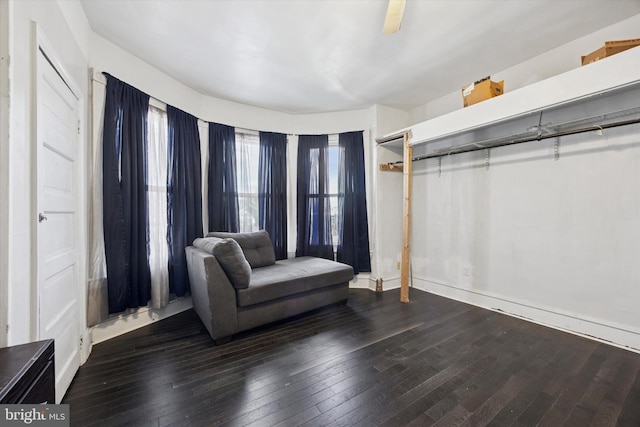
(374, 361)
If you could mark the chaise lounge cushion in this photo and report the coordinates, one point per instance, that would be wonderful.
(257, 246)
(292, 276)
(206, 243)
(231, 259)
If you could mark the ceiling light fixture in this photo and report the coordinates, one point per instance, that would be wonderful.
(393, 20)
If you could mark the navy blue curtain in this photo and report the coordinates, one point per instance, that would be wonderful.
(313, 207)
(184, 194)
(353, 227)
(272, 191)
(125, 207)
(222, 192)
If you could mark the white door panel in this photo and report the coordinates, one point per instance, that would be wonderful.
(57, 240)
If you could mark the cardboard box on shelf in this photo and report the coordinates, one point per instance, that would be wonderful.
(481, 90)
(609, 48)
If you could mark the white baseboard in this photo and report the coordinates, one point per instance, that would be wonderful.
(391, 283)
(361, 281)
(594, 329)
(85, 345)
(142, 317)
(367, 281)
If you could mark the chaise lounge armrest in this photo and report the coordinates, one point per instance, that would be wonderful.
(213, 295)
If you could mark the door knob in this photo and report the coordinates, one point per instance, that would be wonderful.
(41, 217)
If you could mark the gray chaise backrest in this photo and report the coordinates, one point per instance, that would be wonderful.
(257, 246)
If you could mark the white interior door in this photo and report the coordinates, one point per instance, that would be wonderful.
(57, 230)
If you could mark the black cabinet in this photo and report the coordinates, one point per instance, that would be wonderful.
(27, 373)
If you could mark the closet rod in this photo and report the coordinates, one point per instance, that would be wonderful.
(520, 141)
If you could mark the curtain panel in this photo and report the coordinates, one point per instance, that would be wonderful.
(184, 194)
(353, 227)
(272, 189)
(222, 191)
(313, 207)
(125, 219)
(157, 164)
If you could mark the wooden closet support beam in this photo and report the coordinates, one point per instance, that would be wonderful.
(406, 223)
(390, 167)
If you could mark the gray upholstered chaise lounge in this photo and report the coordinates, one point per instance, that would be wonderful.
(237, 285)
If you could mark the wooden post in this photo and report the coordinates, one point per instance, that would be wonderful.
(406, 223)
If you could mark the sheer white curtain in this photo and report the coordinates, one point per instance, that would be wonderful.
(157, 193)
(97, 293)
(247, 158)
(292, 179)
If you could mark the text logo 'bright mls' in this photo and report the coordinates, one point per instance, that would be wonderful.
(40, 415)
(25, 416)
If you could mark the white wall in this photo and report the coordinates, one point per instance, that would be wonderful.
(555, 242)
(20, 251)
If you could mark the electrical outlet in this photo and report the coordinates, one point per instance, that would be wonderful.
(398, 265)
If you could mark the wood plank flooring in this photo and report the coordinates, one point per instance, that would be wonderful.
(375, 361)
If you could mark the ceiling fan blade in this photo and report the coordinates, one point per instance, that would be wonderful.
(394, 16)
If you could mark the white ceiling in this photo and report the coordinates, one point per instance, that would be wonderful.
(303, 56)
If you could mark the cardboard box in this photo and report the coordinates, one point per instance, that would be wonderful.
(481, 90)
(609, 48)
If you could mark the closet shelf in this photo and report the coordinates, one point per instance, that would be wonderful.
(616, 73)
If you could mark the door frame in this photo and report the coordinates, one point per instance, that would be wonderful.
(6, 14)
(42, 43)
